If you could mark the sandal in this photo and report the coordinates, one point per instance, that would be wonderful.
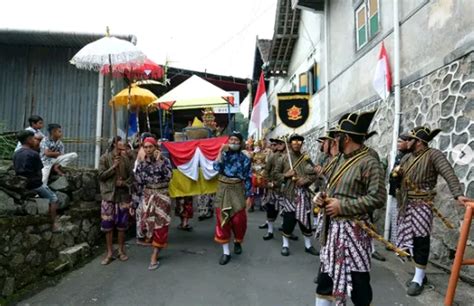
(122, 257)
(154, 266)
(106, 260)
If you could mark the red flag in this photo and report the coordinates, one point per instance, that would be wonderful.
(260, 107)
(382, 81)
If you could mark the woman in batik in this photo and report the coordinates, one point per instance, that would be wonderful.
(153, 175)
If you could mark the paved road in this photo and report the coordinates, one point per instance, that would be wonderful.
(190, 275)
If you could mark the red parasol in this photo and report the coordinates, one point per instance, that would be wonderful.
(147, 70)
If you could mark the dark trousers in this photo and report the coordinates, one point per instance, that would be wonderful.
(272, 212)
(289, 223)
(361, 294)
(421, 251)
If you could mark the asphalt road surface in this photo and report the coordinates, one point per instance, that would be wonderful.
(190, 275)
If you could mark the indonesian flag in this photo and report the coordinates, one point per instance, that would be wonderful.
(382, 79)
(260, 108)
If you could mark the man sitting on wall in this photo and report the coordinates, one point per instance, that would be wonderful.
(52, 152)
(27, 163)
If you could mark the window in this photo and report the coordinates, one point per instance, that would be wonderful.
(313, 79)
(367, 22)
(304, 82)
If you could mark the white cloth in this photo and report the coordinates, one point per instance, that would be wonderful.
(270, 227)
(322, 302)
(62, 160)
(393, 219)
(286, 242)
(307, 242)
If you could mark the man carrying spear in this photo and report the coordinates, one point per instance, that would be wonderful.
(355, 188)
(294, 174)
(419, 174)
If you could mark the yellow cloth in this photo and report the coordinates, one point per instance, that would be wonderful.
(182, 186)
(197, 123)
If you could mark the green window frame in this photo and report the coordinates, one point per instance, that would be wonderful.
(367, 18)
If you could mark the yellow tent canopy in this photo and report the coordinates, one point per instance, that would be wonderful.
(138, 97)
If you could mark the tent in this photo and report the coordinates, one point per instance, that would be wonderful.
(195, 92)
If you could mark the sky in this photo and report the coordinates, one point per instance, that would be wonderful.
(217, 36)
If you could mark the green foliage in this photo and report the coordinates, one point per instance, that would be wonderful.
(7, 143)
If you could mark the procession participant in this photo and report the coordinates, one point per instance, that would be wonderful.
(233, 195)
(329, 150)
(355, 188)
(394, 184)
(295, 174)
(115, 179)
(419, 171)
(153, 174)
(184, 210)
(273, 195)
(52, 152)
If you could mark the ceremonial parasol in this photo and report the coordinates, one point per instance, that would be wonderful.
(108, 51)
(147, 70)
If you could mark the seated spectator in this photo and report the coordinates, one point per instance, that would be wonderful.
(52, 152)
(36, 124)
(27, 163)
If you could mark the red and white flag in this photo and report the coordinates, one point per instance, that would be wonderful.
(260, 108)
(382, 79)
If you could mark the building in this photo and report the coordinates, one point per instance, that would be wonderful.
(436, 77)
(36, 78)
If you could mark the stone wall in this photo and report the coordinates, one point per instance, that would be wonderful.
(29, 251)
(444, 99)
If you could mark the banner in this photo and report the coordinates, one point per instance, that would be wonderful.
(293, 108)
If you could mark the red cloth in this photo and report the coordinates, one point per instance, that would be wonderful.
(182, 152)
(150, 140)
(160, 237)
(184, 210)
(237, 225)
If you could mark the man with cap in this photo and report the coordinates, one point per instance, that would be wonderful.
(354, 189)
(233, 195)
(394, 184)
(419, 172)
(294, 174)
(273, 195)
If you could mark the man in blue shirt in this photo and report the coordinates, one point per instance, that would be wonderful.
(233, 195)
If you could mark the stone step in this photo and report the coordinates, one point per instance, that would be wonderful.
(73, 255)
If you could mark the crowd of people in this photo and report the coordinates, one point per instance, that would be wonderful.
(333, 198)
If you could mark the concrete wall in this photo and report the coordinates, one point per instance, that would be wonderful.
(430, 32)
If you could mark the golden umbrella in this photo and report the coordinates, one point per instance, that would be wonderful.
(133, 97)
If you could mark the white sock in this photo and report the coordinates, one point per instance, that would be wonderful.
(373, 246)
(322, 302)
(270, 227)
(286, 242)
(419, 276)
(226, 249)
(307, 242)
(315, 222)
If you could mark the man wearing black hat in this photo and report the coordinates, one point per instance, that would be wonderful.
(273, 195)
(295, 174)
(419, 172)
(355, 188)
(233, 195)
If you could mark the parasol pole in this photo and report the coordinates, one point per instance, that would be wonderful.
(161, 122)
(114, 114)
(229, 121)
(138, 120)
(128, 112)
(147, 120)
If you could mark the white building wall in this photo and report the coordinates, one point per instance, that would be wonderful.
(307, 51)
